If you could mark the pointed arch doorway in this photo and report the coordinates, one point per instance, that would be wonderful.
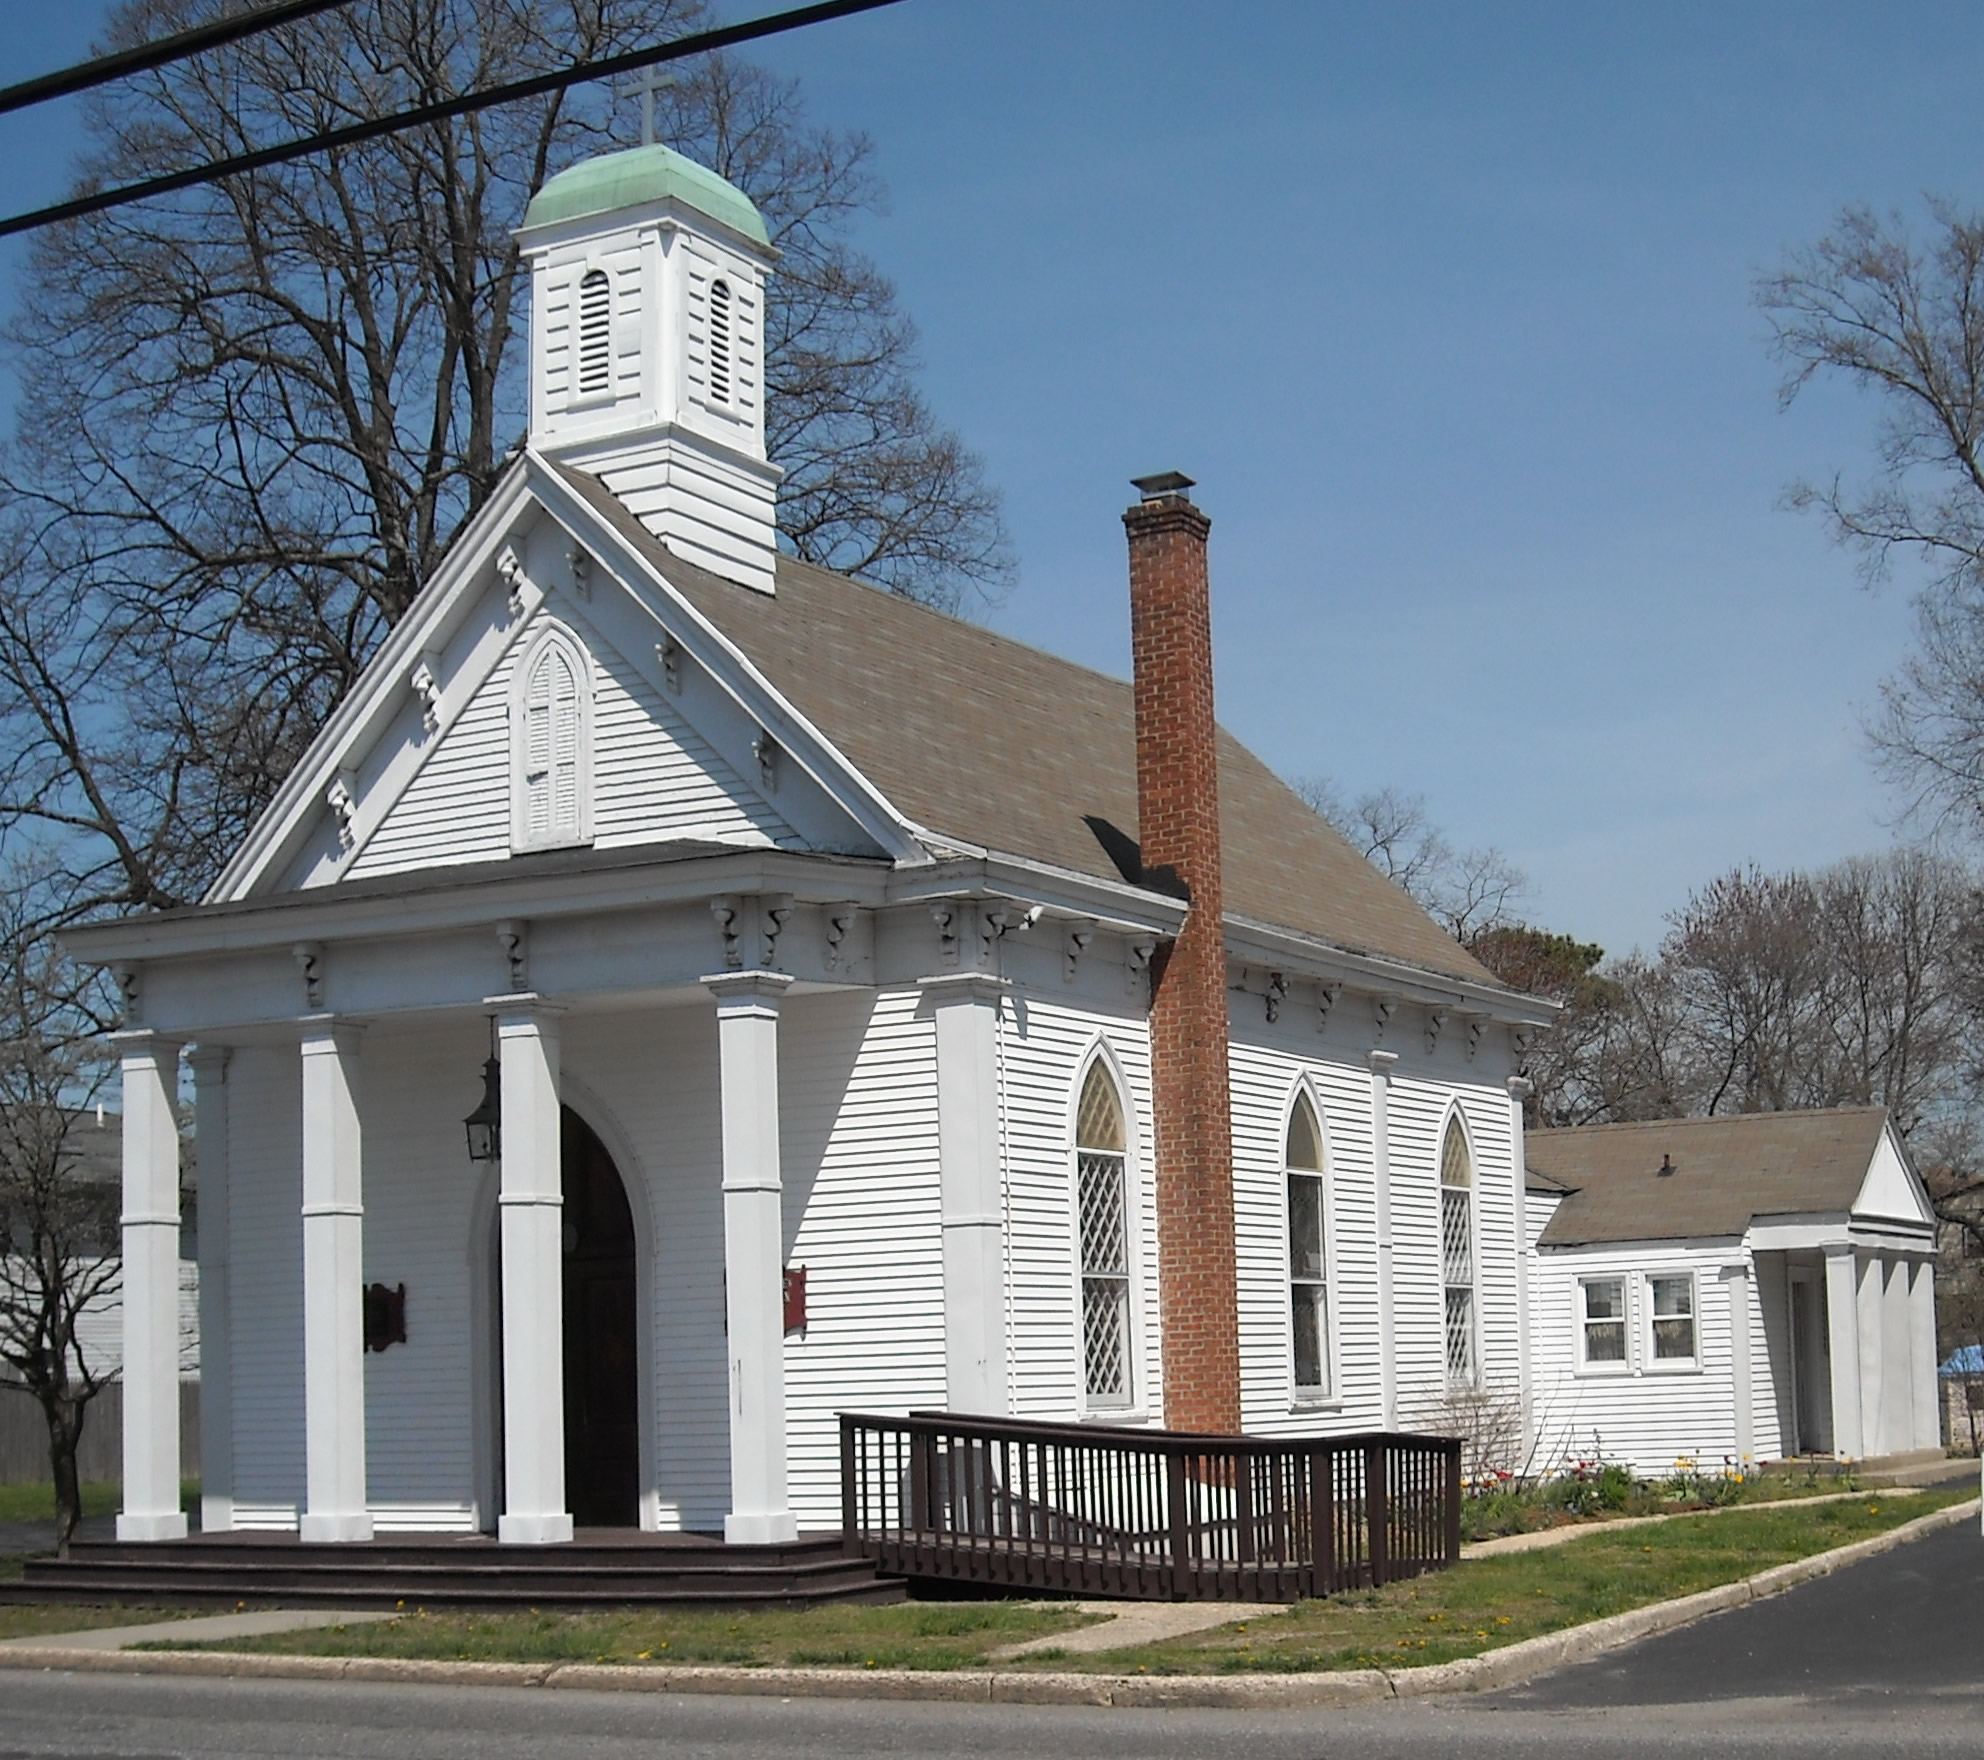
(602, 1355)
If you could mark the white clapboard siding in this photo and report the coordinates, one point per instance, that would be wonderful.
(419, 1192)
(1645, 1418)
(1045, 1038)
(857, 1118)
(654, 778)
(858, 1123)
(1263, 1079)
(265, 1195)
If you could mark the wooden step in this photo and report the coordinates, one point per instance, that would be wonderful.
(277, 1570)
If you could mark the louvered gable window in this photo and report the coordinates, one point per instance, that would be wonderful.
(1457, 1254)
(551, 734)
(1101, 1197)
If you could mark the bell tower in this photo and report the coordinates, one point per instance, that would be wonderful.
(647, 326)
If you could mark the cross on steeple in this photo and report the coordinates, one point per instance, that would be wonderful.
(649, 81)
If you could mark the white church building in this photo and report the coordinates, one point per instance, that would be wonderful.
(886, 1015)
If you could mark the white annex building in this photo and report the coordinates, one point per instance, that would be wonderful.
(1755, 1286)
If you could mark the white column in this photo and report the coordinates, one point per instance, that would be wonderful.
(216, 1339)
(151, 1290)
(1736, 1287)
(531, 1198)
(1843, 1338)
(1922, 1353)
(966, 1010)
(1872, 1280)
(747, 1007)
(333, 1286)
(1381, 1173)
(1519, 1091)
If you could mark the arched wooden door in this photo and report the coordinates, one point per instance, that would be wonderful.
(602, 1375)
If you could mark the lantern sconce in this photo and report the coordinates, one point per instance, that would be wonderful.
(485, 1124)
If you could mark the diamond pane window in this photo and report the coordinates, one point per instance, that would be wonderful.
(1101, 1175)
(1673, 1318)
(1604, 1319)
(1457, 1254)
(1308, 1288)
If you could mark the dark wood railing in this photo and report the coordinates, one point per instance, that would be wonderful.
(1157, 1515)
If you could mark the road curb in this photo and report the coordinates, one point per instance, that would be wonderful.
(1507, 1667)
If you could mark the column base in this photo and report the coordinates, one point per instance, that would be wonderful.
(323, 1530)
(533, 1530)
(169, 1526)
(765, 1530)
(216, 1515)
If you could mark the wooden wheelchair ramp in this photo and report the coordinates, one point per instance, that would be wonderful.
(1155, 1515)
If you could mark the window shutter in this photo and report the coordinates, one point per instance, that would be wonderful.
(564, 748)
(554, 737)
(537, 751)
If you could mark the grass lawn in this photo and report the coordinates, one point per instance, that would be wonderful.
(1488, 1602)
(1474, 1607)
(34, 1622)
(915, 1634)
(36, 1503)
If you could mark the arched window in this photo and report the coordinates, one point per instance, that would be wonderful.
(1308, 1286)
(549, 744)
(595, 333)
(719, 341)
(1101, 1179)
(1457, 1253)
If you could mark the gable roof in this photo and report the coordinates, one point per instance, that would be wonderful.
(1727, 1171)
(1001, 747)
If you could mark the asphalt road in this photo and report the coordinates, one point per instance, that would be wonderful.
(1885, 1659)
(1901, 1628)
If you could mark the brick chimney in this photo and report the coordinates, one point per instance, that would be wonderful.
(1178, 828)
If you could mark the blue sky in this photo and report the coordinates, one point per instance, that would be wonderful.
(1448, 310)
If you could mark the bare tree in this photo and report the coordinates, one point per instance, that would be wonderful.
(254, 416)
(58, 1250)
(1903, 318)
(1470, 892)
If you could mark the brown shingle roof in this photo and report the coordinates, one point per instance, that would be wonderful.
(984, 740)
(1726, 1171)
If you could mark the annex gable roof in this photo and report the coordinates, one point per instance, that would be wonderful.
(1726, 1173)
(989, 744)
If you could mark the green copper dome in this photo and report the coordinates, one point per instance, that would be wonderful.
(637, 177)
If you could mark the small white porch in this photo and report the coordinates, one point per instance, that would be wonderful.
(483, 1261)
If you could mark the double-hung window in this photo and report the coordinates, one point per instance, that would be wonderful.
(1101, 1202)
(1602, 1322)
(1308, 1281)
(1671, 1311)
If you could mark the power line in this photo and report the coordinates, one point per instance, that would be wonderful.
(702, 43)
(159, 53)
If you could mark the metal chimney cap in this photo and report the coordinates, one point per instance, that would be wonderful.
(1164, 483)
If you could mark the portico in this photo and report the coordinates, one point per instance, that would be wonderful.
(330, 1096)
